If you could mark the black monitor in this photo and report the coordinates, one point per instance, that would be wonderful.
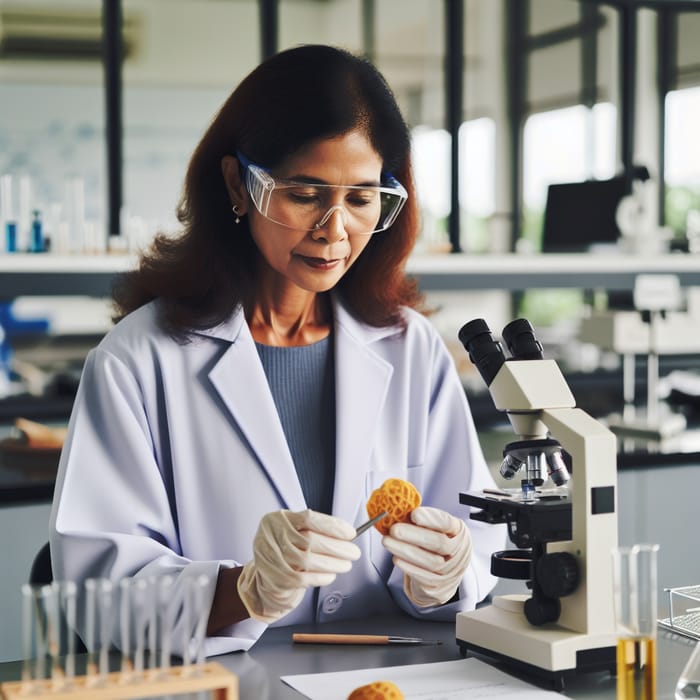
(579, 215)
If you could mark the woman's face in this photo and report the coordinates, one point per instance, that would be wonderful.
(316, 260)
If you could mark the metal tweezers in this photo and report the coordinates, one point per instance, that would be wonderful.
(369, 523)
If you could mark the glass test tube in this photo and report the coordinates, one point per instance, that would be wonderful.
(8, 214)
(104, 607)
(201, 616)
(90, 626)
(635, 602)
(165, 607)
(41, 632)
(68, 591)
(193, 622)
(124, 625)
(59, 599)
(29, 622)
(50, 600)
(24, 216)
(152, 622)
(139, 590)
(186, 624)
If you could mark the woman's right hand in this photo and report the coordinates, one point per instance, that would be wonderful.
(292, 551)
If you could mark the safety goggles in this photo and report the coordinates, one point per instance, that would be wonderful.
(308, 206)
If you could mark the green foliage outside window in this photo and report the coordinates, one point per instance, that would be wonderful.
(533, 221)
(679, 201)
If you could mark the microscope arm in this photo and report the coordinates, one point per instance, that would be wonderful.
(593, 452)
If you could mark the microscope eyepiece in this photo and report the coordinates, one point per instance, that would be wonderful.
(484, 351)
(519, 336)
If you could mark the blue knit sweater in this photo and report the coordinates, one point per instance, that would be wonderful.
(302, 383)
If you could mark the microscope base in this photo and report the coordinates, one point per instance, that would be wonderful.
(550, 653)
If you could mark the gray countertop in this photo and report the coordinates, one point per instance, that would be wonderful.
(274, 655)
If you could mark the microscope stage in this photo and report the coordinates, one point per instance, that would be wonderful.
(546, 519)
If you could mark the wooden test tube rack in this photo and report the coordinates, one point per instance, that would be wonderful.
(118, 685)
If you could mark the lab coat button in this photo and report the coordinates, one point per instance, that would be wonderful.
(332, 602)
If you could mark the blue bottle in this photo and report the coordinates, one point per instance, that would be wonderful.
(11, 237)
(36, 244)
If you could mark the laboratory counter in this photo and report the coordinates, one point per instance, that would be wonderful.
(275, 655)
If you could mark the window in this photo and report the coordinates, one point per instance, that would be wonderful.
(682, 158)
(431, 164)
(477, 143)
(171, 91)
(564, 145)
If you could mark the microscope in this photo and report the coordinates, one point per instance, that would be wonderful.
(562, 518)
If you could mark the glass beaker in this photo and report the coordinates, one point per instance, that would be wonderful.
(688, 685)
(635, 597)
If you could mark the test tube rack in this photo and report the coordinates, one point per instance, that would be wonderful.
(147, 612)
(176, 680)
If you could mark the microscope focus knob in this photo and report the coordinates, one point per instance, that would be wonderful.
(557, 574)
(541, 610)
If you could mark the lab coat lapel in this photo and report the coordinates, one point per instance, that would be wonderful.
(239, 379)
(362, 378)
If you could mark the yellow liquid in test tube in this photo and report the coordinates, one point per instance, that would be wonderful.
(636, 669)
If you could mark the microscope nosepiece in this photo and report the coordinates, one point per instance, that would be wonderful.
(541, 458)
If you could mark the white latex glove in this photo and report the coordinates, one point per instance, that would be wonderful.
(433, 552)
(292, 551)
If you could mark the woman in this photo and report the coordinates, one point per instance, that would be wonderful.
(269, 370)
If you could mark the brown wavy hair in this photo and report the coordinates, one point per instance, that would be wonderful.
(294, 98)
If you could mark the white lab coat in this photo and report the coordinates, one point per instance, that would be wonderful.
(175, 451)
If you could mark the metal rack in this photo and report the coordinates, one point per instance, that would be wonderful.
(687, 622)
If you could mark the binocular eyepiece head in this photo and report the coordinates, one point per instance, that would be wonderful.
(487, 353)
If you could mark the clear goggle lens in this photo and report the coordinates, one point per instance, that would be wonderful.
(308, 206)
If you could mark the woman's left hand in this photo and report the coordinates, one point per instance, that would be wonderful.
(433, 551)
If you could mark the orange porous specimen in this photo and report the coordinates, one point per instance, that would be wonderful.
(395, 496)
(379, 690)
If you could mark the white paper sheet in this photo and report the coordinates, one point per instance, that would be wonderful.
(445, 680)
